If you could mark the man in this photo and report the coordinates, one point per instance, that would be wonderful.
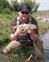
(31, 36)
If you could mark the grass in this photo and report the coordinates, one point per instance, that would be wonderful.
(42, 25)
(8, 16)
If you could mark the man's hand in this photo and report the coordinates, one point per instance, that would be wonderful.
(32, 33)
(20, 29)
(31, 29)
(12, 37)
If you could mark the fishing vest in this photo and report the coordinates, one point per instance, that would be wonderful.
(23, 38)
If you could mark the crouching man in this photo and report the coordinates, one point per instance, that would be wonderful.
(20, 36)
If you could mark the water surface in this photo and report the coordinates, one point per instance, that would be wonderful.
(45, 39)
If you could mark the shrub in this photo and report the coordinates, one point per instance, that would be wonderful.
(6, 11)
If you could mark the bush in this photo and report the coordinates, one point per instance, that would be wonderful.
(6, 11)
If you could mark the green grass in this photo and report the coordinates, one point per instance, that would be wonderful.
(8, 16)
(42, 25)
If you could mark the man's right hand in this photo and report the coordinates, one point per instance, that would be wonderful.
(20, 29)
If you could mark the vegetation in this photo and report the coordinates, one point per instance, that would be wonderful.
(5, 7)
(42, 25)
(33, 5)
(8, 16)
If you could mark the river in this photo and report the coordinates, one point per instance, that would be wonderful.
(45, 39)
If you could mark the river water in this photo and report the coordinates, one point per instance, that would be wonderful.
(45, 39)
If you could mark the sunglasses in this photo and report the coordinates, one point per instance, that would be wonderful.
(24, 12)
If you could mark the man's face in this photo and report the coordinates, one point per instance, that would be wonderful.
(24, 14)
